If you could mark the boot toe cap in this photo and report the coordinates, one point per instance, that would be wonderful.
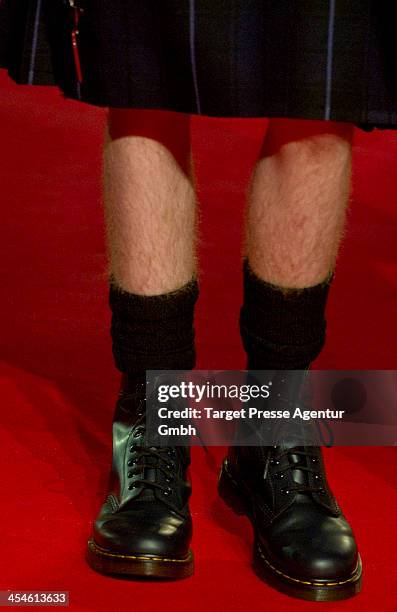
(130, 533)
(325, 551)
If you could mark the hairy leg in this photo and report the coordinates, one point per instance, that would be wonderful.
(149, 201)
(297, 201)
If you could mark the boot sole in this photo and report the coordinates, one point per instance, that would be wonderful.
(149, 566)
(324, 590)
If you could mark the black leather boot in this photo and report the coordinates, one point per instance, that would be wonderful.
(303, 544)
(144, 527)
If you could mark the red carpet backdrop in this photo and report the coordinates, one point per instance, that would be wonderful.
(58, 383)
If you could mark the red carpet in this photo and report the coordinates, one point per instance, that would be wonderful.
(58, 383)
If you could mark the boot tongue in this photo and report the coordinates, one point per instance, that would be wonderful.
(300, 477)
(294, 438)
(149, 473)
(294, 434)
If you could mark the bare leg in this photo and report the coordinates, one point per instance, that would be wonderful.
(150, 223)
(149, 201)
(297, 201)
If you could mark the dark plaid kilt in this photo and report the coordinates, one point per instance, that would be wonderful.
(313, 59)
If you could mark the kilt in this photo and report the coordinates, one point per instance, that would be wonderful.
(311, 59)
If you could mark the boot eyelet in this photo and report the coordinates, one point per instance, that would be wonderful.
(131, 462)
(314, 460)
(138, 432)
(171, 452)
(170, 466)
(317, 477)
(167, 491)
(321, 491)
(169, 479)
(285, 491)
(274, 462)
(132, 486)
(279, 475)
(133, 448)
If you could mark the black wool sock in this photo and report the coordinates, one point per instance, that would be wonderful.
(153, 332)
(282, 330)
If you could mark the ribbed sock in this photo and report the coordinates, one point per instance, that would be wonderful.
(282, 330)
(153, 332)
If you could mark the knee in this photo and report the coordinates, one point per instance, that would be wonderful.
(170, 129)
(307, 138)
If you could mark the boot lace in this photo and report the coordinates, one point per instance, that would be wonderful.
(308, 463)
(158, 459)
